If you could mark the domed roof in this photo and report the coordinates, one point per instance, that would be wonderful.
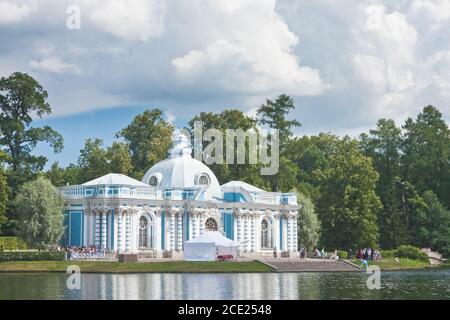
(180, 170)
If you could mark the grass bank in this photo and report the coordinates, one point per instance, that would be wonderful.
(135, 267)
(392, 264)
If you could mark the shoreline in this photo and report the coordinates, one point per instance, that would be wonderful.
(113, 267)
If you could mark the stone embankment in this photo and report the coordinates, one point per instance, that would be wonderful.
(309, 265)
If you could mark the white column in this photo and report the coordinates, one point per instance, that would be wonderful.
(197, 221)
(119, 231)
(239, 228)
(194, 226)
(91, 228)
(289, 234)
(104, 229)
(134, 233)
(295, 234)
(127, 231)
(97, 229)
(202, 223)
(179, 231)
(252, 233)
(172, 231)
(249, 233)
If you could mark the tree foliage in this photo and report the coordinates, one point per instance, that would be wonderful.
(308, 223)
(148, 137)
(40, 208)
(348, 205)
(22, 97)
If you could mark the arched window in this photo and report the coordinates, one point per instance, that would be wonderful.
(211, 224)
(266, 234)
(145, 232)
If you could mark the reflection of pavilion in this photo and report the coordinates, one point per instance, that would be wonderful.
(163, 286)
(178, 199)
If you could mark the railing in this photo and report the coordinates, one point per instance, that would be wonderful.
(275, 198)
(79, 191)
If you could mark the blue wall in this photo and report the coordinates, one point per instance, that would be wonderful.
(74, 231)
(228, 224)
(234, 197)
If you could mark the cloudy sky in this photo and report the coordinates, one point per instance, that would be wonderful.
(346, 62)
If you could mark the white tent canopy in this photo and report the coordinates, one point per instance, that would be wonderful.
(207, 246)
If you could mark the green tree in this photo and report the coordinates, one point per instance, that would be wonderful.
(4, 191)
(274, 115)
(311, 153)
(93, 160)
(308, 223)
(40, 208)
(383, 145)
(426, 153)
(230, 119)
(348, 205)
(119, 158)
(149, 139)
(56, 175)
(22, 97)
(430, 225)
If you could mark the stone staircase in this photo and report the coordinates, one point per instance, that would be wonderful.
(309, 265)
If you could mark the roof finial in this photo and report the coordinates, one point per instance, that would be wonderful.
(181, 145)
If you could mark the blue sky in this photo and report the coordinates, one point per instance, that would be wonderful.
(347, 63)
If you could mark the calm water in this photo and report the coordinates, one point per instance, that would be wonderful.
(430, 284)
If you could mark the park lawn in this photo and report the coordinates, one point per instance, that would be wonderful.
(390, 264)
(135, 267)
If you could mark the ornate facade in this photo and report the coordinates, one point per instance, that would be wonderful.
(177, 200)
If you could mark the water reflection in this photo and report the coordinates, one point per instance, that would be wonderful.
(429, 284)
(186, 286)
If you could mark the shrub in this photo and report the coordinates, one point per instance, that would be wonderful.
(12, 243)
(411, 252)
(389, 253)
(32, 256)
(342, 254)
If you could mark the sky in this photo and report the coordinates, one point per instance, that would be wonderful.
(347, 63)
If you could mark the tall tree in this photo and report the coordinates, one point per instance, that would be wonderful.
(430, 225)
(40, 208)
(93, 160)
(310, 153)
(383, 146)
(56, 175)
(4, 191)
(426, 153)
(348, 205)
(148, 137)
(119, 158)
(274, 115)
(308, 223)
(22, 97)
(230, 119)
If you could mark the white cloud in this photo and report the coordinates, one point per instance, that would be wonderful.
(12, 13)
(436, 10)
(345, 64)
(134, 20)
(54, 65)
(248, 49)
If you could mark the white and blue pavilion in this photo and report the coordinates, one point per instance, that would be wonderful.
(177, 200)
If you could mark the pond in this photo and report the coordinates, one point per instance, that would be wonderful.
(423, 284)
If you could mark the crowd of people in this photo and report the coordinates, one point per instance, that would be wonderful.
(84, 253)
(368, 254)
